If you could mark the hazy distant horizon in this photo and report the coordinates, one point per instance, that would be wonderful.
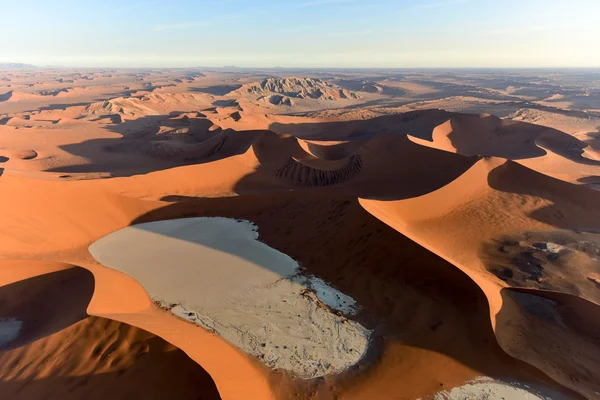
(306, 33)
(300, 68)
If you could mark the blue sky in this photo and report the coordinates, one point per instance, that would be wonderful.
(302, 33)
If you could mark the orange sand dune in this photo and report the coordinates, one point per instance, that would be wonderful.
(375, 262)
(64, 354)
(331, 150)
(492, 199)
(546, 150)
(463, 239)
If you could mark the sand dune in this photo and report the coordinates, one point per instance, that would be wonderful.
(548, 151)
(25, 154)
(401, 252)
(61, 353)
(493, 198)
(13, 96)
(98, 358)
(331, 150)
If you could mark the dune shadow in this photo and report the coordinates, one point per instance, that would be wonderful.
(6, 96)
(595, 179)
(568, 147)
(154, 143)
(125, 362)
(415, 123)
(61, 106)
(556, 332)
(46, 304)
(160, 142)
(217, 90)
(370, 161)
(512, 177)
(118, 385)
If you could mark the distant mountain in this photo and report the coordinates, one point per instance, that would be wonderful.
(16, 66)
(298, 88)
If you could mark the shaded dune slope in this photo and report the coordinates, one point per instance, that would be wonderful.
(61, 353)
(493, 198)
(555, 332)
(539, 148)
(27, 301)
(386, 166)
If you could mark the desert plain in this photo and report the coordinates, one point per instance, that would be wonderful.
(231, 233)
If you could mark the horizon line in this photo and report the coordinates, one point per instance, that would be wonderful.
(26, 65)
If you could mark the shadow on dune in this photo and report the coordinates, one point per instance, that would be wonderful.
(98, 358)
(217, 90)
(491, 136)
(570, 207)
(416, 123)
(408, 295)
(46, 304)
(62, 353)
(6, 96)
(371, 164)
(143, 148)
(64, 106)
(566, 146)
(391, 165)
(589, 180)
(144, 379)
(556, 332)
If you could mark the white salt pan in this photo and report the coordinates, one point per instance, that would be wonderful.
(213, 272)
(490, 389)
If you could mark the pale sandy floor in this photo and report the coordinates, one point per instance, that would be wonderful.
(215, 273)
(491, 389)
